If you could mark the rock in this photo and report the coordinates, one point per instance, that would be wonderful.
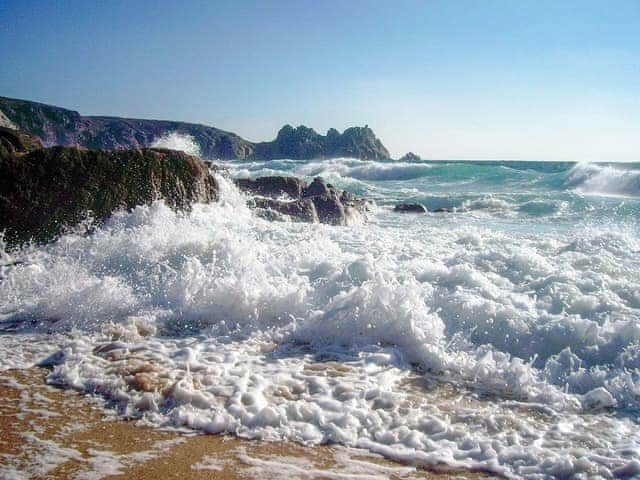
(410, 157)
(15, 141)
(317, 202)
(59, 126)
(410, 208)
(273, 186)
(334, 206)
(443, 210)
(6, 123)
(45, 192)
(317, 188)
(303, 143)
(330, 209)
(300, 210)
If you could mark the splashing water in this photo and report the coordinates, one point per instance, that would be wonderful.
(504, 335)
(178, 141)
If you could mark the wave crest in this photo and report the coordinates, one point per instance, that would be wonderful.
(178, 141)
(604, 180)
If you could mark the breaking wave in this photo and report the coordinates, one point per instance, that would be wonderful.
(596, 179)
(422, 341)
(178, 141)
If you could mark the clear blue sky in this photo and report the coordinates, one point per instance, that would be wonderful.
(447, 79)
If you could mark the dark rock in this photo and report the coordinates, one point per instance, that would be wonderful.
(410, 157)
(299, 210)
(273, 186)
(59, 126)
(443, 210)
(317, 187)
(410, 208)
(45, 192)
(330, 209)
(305, 143)
(333, 205)
(317, 202)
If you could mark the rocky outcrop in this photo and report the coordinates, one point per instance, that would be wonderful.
(59, 126)
(410, 208)
(47, 191)
(15, 141)
(273, 186)
(291, 198)
(410, 157)
(303, 143)
(5, 122)
(296, 210)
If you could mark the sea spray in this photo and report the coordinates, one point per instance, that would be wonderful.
(604, 179)
(178, 141)
(489, 342)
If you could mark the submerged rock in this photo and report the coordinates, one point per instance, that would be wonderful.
(410, 208)
(316, 202)
(47, 191)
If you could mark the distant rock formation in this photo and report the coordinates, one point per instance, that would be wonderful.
(46, 191)
(59, 126)
(316, 202)
(409, 157)
(410, 208)
(303, 143)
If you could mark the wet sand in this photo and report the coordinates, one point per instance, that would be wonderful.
(47, 432)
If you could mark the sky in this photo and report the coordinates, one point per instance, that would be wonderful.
(512, 79)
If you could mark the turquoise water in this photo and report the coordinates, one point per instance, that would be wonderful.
(502, 334)
(516, 194)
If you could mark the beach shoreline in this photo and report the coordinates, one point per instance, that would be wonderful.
(48, 432)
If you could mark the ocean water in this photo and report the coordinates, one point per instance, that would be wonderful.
(503, 334)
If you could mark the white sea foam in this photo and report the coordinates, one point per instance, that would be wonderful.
(423, 341)
(604, 180)
(362, 169)
(178, 141)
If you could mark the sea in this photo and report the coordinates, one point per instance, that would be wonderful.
(501, 333)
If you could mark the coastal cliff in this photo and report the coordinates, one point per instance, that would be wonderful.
(59, 126)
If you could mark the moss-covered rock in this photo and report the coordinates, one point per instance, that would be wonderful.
(46, 191)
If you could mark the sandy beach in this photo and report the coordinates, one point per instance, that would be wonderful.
(47, 432)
